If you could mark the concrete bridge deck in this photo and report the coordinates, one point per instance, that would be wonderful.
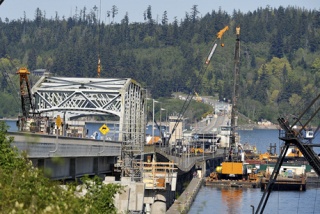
(186, 161)
(68, 158)
(44, 146)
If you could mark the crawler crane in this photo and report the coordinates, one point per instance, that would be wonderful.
(191, 95)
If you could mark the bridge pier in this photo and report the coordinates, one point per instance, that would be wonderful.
(73, 168)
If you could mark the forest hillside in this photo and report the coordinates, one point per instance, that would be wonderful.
(280, 55)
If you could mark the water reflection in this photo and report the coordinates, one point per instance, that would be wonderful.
(231, 198)
(239, 200)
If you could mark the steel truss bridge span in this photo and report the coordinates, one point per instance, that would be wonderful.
(101, 96)
(122, 97)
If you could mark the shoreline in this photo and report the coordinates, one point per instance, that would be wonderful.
(185, 200)
(253, 127)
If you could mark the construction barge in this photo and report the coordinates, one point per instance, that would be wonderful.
(234, 174)
(292, 176)
(284, 183)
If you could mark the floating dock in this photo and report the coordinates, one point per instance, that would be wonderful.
(233, 183)
(283, 183)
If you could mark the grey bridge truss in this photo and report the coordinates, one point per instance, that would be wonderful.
(122, 97)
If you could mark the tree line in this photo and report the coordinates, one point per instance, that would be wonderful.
(280, 63)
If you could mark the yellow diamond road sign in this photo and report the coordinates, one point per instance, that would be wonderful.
(104, 129)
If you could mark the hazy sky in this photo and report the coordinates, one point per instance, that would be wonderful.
(14, 9)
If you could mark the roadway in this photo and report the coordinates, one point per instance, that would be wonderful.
(185, 161)
(212, 124)
(43, 146)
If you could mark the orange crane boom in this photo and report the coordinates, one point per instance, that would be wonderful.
(219, 36)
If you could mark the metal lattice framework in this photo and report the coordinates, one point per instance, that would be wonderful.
(124, 98)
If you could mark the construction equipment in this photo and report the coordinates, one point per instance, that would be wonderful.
(29, 120)
(219, 36)
(293, 137)
(198, 98)
(196, 150)
(236, 82)
(99, 67)
(25, 94)
(190, 96)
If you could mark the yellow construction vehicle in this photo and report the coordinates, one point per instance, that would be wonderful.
(198, 98)
(196, 150)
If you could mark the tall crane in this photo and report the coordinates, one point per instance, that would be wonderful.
(25, 94)
(235, 96)
(190, 96)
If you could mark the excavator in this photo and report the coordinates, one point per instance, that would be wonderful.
(198, 98)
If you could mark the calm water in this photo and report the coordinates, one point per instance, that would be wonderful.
(12, 125)
(262, 138)
(238, 201)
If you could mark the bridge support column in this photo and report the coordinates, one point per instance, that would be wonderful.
(40, 164)
(73, 168)
(96, 165)
(159, 205)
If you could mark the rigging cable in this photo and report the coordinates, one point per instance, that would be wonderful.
(190, 96)
(279, 141)
(198, 80)
(278, 198)
(298, 202)
(315, 198)
(99, 42)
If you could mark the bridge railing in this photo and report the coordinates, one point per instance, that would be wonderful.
(184, 160)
